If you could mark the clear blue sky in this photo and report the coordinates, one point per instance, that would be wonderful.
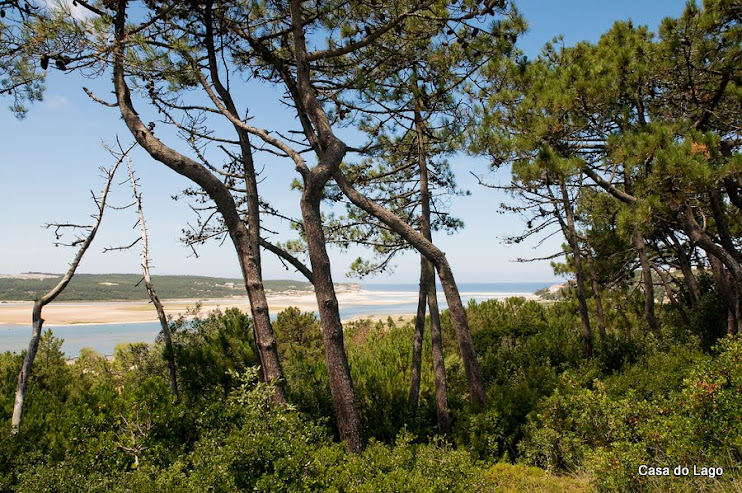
(50, 163)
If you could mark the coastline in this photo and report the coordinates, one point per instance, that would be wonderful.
(81, 313)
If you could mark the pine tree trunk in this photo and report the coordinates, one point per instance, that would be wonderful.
(417, 340)
(694, 291)
(439, 366)
(599, 316)
(649, 311)
(218, 192)
(427, 279)
(726, 288)
(570, 232)
(587, 336)
(738, 311)
(341, 385)
(664, 278)
(249, 248)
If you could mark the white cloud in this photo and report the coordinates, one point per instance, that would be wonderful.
(57, 103)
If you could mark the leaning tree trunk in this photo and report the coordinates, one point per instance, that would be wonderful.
(225, 204)
(438, 258)
(726, 286)
(649, 311)
(341, 385)
(570, 233)
(664, 277)
(262, 327)
(38, 321)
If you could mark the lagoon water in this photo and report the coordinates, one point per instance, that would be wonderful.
(374, 299)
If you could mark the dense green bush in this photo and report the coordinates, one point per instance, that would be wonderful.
(303, 361)
(208, 348)
(654, 399)
(668, 421)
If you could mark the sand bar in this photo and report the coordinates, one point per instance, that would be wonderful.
(74, 313)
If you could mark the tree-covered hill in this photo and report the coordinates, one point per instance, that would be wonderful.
(115, 287)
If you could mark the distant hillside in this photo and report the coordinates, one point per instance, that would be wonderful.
(117, 287)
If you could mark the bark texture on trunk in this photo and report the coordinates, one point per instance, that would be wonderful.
(439, 366)
(341, 385)
(417, 340)
(36, 319)
(263, 329)
(649, 311)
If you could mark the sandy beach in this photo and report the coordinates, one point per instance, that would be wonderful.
(75, 313)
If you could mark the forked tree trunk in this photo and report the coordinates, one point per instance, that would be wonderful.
(427, 296)
(427, 279)
(438, 258)
(341, 385)
(38, 321)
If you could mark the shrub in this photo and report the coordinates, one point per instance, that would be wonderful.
(206, 349)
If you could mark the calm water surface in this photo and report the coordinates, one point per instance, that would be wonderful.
(379, 299)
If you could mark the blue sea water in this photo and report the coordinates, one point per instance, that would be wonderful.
(388, 299)
(101, 337)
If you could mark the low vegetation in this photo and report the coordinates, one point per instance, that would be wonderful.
(555, 421)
